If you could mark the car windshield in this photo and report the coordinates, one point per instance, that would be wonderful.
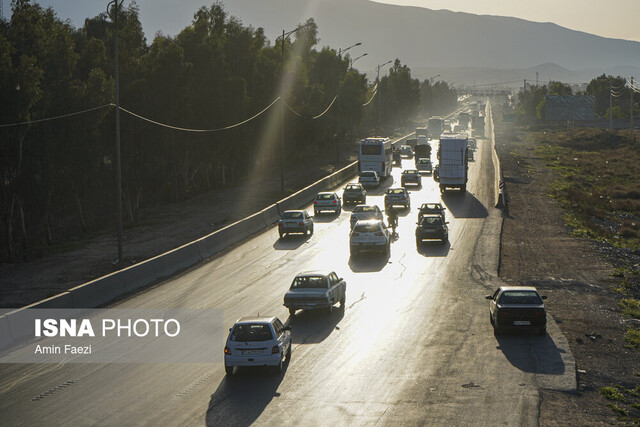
(251, 332)
(395, 191)
(367, 227)
(292, 215)
(410, 172)
(429, 207)
(430, 220)
(364, 209)
(352, 188)
(307, 282)
(424, 161)
(325, 197)
(520, 297)
(367, 175)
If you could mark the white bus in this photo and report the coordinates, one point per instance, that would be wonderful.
(376, 154)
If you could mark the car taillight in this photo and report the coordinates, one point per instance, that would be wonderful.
(227, 350)
(503, 313)
(335, 201)
(280, 223)
(275, 350)
(379, 233)
(301, 223)
(539, 313)
(315, 202)
(355, 234)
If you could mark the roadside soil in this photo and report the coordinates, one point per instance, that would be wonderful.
(538, 250)
(159, 229)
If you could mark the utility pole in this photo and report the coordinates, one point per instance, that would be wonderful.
(120, 260)
(339, 110)
(380, 94)
(631, 107)
(610, 105)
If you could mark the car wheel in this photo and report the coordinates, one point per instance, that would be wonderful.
(292, 311)
(387, 250)
(281, 234)
(311, 231)
(288, 356)
(342, 301)
(228, 370)
(279, 367)
(330, 308)
(315, 212)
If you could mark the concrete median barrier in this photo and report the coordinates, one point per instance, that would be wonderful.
(270, 215)
(108, 288)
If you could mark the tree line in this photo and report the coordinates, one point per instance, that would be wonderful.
(532, 99)
(58, 175)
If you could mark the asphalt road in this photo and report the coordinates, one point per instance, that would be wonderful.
(413, 345)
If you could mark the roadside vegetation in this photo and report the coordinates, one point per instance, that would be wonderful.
(597, 184)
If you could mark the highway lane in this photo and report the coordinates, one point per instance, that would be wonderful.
(413, 345)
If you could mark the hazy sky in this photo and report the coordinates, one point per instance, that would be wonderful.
(608, 18)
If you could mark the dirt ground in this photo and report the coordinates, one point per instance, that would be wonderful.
(538, 250)
(159, 229)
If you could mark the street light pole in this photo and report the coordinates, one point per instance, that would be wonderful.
(340, 51)
(430, 89)
(379, 94)
(355, 59)
(120, 260)
(284, 37)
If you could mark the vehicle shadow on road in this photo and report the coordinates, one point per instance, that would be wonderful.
(368, 262)
(434, 248)
(241, 398)
(290, 242)
(314, 326)
(325, 217)
(464, 205)
(531, 353)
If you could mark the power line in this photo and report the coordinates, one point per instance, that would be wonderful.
(199, 130)
(57, 117)
(372, 96)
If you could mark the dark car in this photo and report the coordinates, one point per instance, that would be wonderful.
(354, 193)
(410, 176)
(517, 308)
(431, 209)
(432, 227)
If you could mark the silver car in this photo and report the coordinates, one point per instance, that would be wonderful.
(327, 202)
(361, 212)
(295, 222)
(369, 179)
(397, 196)
(369, 235)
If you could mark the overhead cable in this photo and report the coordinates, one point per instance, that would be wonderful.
(327, 109)
(199, 130)
(369, 101)
(57, 117)
(314, 117)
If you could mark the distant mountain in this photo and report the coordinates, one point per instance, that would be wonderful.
(440, 39)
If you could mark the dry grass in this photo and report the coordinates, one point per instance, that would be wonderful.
(598, 183)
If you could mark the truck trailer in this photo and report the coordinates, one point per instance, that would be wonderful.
(452, 170)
